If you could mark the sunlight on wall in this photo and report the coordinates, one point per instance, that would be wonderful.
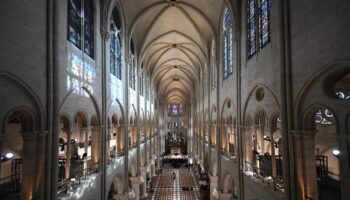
(81, 72)
(116, 89)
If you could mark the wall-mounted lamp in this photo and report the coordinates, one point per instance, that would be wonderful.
(336, 153)
(6, 157)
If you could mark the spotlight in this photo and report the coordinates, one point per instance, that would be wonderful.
(336, 153)
(9, 155)
(73, 179)
(6, 157)
(267, 138)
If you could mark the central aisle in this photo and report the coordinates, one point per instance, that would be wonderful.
(176, 184)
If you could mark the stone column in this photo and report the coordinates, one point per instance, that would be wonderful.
(85, 135)
(96, 148)
(2, 141)
(246, 143)
(109, 138)
(40, 167)
(135, 185)
(29, 165)
(144, 183)
(121, 140)
(213, 185)
(344, 147)
(273, 158)
(304, 151)
(68, 153)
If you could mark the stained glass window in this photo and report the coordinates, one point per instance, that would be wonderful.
(258, 18)
(112, 50)
(132, 71)
(213, 70)
(115, 52)
(342, 95)
(74, 22)
(169, 110)
(81, 23)
(141, 84)
(227, 45)
(324, 117)
(251, 29)
(89, 28)
(180, 109)
(264, 23)
(174, 110)
(147, 90)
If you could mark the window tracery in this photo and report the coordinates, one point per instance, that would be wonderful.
(227, 45)
(80, 27)
(258, 25)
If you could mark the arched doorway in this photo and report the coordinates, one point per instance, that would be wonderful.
(326, 154)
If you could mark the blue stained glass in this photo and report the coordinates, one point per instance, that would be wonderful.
(225, 57)
(112, 50)
(324, 117)
(119, 57)
(180, 110)
(115, 52)
(251, 29)
(227, 20)
(141, 85)
(174, 110)
(169, 110)
(227, 45)
(147, 89)
(264, 23)
(81, 22)
(89, 28)
(213, 74)
(132, 70)
(74, 22)
(230, 51)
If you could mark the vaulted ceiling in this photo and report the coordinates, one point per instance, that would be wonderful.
(173, 40)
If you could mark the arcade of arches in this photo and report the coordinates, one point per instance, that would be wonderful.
(174, 99)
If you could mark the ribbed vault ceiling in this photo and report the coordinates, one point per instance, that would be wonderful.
(172, 40)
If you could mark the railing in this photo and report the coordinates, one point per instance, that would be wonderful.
(273, 182)
(77, 177)
(12, 183)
